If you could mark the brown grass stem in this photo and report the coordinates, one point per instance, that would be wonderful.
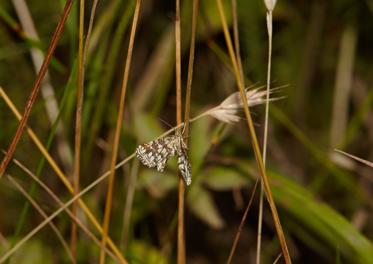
(363, 161)
(178, 63)
(55, 214)
(239, 61)
(181, 255)
(84, 228)
(236, 35)
(36, 87)
(60, 174)
(78, 123)
(118, 127)
(254, 140)
(47, 89)
(43, 214)
(131, 188)
(240, 227)
(181, 186)
(190, 68)
(82, 58)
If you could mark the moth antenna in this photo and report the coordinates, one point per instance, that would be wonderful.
(164, 122)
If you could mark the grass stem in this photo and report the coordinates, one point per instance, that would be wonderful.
(115, 146)
(254, 140)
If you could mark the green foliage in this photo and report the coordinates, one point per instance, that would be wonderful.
(141, 252)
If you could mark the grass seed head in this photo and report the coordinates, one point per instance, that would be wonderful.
(228, 111)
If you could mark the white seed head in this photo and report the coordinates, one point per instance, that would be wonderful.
(229, 109)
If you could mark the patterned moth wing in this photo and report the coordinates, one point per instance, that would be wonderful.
(155, 153)
(184, 166)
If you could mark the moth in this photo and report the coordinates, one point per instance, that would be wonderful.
(157, 152)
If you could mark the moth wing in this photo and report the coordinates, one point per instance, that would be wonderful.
(184, 166)
(161, 164)
(147, 155)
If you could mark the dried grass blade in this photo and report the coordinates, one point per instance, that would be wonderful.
(60, 203)
(78, 124)
(43, 214)
(363, 161)
(181, 187)
(36, 88)
(253, 137)
(62, 176)
(115, 146)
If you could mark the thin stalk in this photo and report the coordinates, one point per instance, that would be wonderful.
(11, 251)
(47, 89)
(132, 179)
(236, 36)
(33, 188)
(239, 61)
(190, 68)
(82, 58)
(107, 78)
(115, 145)
(181, 192)
(363, 161)
(36, 87)
(43, 214)
(277, 259)
(181, 232)
(240, 227)
(60, 174)
(78, 125)
(60, 203)
(265, 137)
(258, 155)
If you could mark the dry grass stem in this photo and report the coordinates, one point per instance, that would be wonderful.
(363, 161)
(43, 214)
(60, 174)
(131, 184)
(20, 243)
(236, 36)
(343, 85)
(60, 203)
(82, 58)
(181, 187)
(181, 255)
(253, 136)
(118, 127)
(243, 219)
(270, 5)
(36, 87)
(78, 124)
(190, 68)
(47, 89)
(278, 258)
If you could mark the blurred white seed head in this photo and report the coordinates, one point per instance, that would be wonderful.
(228, 111)
(270, 4)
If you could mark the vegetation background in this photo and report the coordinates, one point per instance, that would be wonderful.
(322, 59)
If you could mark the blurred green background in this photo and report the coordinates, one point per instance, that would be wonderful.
(322, 58)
